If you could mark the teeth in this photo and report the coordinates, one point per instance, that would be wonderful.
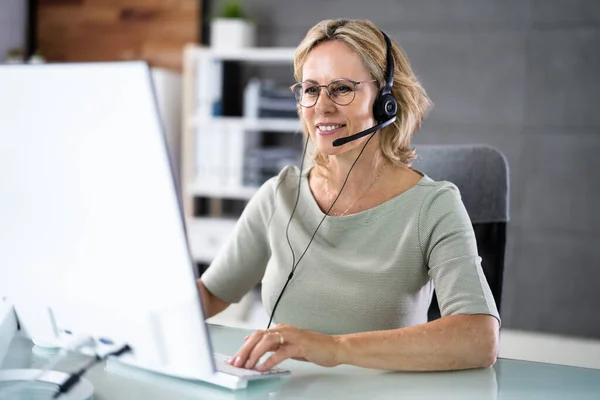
(329, 127)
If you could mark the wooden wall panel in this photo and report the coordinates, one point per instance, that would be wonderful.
(108, 30)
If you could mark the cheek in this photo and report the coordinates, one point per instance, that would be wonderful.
(306, 113)
(362, 113)
(306, 116)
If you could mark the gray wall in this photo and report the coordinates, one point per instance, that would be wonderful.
(523, 76)
(13, 18)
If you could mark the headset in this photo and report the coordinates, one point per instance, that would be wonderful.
(385, 105)
(385, 108)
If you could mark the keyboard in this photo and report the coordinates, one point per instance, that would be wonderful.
(222, 364)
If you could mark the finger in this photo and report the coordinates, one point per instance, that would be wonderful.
(234, 358)
(240, 358)
(275, 359)
(269, 342)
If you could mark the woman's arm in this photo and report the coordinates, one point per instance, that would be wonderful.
(212, 304)
(449, 343)
(241, 261)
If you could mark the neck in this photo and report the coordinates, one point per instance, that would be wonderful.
(362, 175)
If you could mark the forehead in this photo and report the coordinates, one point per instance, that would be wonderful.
(332, 60)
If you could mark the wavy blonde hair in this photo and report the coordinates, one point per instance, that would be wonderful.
(363, 37)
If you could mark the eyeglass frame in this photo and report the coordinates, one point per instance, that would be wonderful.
(354, 83)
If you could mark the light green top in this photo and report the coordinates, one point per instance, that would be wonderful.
(369, 271)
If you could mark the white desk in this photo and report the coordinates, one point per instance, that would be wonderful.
(508, 379)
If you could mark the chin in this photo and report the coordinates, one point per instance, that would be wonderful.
(325, 143)
(325, 146)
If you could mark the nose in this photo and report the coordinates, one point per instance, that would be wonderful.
(324, 104)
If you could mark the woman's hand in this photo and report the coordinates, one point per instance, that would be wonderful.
(287, 341)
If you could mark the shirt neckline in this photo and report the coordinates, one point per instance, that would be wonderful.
(315, 209)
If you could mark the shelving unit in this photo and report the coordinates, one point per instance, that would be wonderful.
(252, 54)
(251, 124)
(213, 146)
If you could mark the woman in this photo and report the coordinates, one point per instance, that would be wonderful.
(349, 250)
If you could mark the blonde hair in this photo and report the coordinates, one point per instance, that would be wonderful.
(363, 37)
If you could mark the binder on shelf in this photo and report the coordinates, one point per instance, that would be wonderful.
(233, 152)
(203, 89)
(263, 163)
(208, 105)
(251, 98)
(215, 91)
(263, 99)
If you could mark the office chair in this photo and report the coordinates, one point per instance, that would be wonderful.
(481, 174)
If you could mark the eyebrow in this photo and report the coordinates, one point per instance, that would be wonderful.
(335, 79)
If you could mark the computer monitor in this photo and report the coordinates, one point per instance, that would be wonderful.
(92, 234)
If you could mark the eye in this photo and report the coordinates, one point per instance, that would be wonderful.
(341, 89)
(311, 91)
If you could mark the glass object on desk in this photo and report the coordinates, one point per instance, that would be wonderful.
(35, 391)
(43, 388)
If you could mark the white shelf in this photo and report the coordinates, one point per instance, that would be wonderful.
(251, 54)
(234, 193)
(206, 236)
(251, 124)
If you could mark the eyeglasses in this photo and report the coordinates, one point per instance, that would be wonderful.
(340, 91)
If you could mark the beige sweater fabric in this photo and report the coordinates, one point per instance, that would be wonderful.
(369, 271)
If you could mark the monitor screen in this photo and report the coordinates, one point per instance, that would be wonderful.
(92, 235)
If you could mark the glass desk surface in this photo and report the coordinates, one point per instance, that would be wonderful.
(508, 379)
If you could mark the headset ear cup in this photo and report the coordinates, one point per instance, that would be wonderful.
(385, 107)
(390, 106)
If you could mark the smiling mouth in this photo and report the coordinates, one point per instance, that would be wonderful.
(329, 129)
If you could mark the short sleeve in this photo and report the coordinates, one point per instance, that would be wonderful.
(449, 246)
(241, 263)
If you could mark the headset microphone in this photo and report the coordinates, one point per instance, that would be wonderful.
(347, 139)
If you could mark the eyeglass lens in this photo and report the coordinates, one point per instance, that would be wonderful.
(341, 92)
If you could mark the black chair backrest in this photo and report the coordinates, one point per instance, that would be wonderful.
(481, 174)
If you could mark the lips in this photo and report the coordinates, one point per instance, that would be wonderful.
(329, 129)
